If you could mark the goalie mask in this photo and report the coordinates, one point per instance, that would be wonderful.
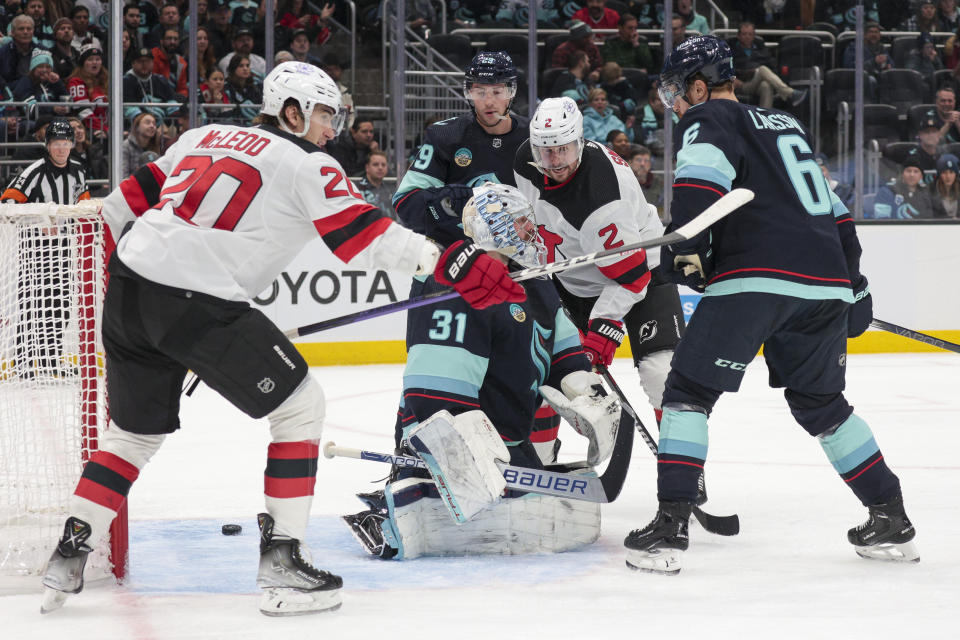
(499, 218)
(556, 135)
(309, 86)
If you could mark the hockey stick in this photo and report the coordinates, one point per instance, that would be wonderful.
(602, 489)
(719, 525)
(915, 335)
(718, 210)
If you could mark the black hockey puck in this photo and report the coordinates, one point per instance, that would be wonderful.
(230, 529)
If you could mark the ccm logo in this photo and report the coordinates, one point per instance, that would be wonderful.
(729, 364)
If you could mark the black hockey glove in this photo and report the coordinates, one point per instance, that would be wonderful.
(860, 314)
(445, 212)
(689, 267)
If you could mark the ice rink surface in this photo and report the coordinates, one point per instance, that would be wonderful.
(789, 574)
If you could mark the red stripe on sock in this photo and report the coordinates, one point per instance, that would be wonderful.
(690, 464)
(288, 487)
(116, 464)
(864, 470)
(99, 494)
(547, 435)
(294, 450)
(545, 412)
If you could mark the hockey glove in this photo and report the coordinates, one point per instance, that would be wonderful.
(860, 314)
(593, 414)
(688, 268)
(480, 279)
(445, 212)
(602, 339)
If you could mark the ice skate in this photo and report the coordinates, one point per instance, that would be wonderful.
(292, 586)
(886, 535)
(658, 547)
(366, 528)
(64, 574)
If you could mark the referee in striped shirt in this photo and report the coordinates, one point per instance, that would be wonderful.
(41, 292)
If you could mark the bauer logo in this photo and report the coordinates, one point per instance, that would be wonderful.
(463, 157)
(518, 313)
(266, 385)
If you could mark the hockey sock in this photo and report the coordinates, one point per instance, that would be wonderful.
(854, 453)
(102, 490)
(543, 436)
(682, 452)
(288, 485)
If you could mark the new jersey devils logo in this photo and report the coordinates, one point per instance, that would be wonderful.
(648, 330)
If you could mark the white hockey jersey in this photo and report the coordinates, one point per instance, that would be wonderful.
(227, 208)
(601, 207)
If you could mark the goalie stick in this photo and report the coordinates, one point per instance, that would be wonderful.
(719, 525)
(915, 335)
(604, 488)
(718, 210)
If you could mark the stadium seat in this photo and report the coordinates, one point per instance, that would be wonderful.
(880, 122)
(901, 48)
(838, 86)
(945, 78)
(619, 7)
(823, 26)
(547, 79)
(901, 88)
(455, 47)
(915, 114)
(798, 54)
(640, 80)
(897, 152)
(514, 44)
(549, 45)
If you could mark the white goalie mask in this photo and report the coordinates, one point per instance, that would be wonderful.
(309, 86)
(499, 218)
(556, 134)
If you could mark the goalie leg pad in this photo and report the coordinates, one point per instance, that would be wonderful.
(419, 525)
(461, 454)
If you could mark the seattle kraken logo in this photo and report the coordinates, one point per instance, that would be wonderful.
(540, 353)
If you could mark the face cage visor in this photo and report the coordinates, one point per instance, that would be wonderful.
(474, 91)
(511, 233)
(670, 89)
(557, 157)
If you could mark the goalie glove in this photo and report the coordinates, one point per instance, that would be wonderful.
(584, 403)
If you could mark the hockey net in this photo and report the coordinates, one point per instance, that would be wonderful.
(52, 385)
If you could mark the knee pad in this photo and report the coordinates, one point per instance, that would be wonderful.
(300, 417)
(818, 413)
(653, 369)
(683, 394)
(135, 448)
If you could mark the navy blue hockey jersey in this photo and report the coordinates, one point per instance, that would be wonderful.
(796, 237)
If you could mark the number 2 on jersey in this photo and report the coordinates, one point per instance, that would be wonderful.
(199, 174)
(807, 179)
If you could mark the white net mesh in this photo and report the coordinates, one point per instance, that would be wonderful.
(52, 391)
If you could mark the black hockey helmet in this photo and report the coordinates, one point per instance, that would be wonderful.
(707, 55)
(59, 130)
(490, 67)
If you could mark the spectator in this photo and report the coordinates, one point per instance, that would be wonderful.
(620, 92)
(41, 84)
(678, 28)
(90, 156)
(144, 144)
(840, 13)
(126, 42)
(296, 16)
(282, 56)
(581, 39)
(692, 20)
(169, 64)
(205, 57)
(907, 198)
(131, 24)
(83, 31)
(649, 14)
(243, 89)
(755, 79)
(42, 31)
(948, 17)
(141, 85)
(946, 189)
(421, 15)
(627, 48)
(334, 66)
(202, 17)
(947, 116)
(351, 147)
(244, 14)
(15, 54)
(875, 56)
(651, 121)
(300, 48)
(169, 19)
(570, 83)
(842, 190)
(596, 15)
(925, 18)
(214, 94)
(179, 124)
(219, 28)
(372, 186)
(925, 58)
(928, 151)
(619, 142)
(599, 119)
(65, 56)
(651, 184)
(149, 15)
(89, 83)
(243, 45)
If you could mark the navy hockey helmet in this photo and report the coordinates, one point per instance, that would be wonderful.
(707, 55)
(59, 130)
(490, 67)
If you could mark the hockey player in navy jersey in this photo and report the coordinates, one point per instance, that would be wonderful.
(469, 368)
(783, 273)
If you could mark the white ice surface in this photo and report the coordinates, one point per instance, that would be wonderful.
(789, 574)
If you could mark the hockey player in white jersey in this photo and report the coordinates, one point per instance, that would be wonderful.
(587, 199)
(206, 227)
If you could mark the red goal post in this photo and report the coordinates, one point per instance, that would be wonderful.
(52, 383)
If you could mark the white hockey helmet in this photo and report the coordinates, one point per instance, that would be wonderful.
(557, 123)
(306, 84)
(499, 218)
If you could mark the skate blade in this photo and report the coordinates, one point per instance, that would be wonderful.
(903, 552)
(663, 561)
(52, 600)
(279, 602)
